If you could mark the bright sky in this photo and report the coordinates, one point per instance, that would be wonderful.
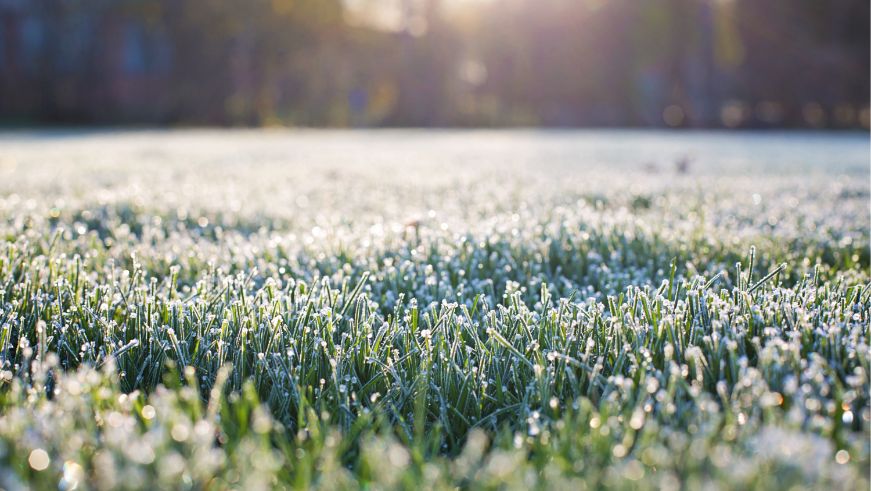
(388, 14)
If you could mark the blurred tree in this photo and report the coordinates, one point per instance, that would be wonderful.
(704, 63)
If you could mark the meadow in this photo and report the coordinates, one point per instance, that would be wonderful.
(408, 310)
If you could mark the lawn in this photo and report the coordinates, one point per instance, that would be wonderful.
(235, 310)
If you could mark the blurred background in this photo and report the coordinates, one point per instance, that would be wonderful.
(364, 63)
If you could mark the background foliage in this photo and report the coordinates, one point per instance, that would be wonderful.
(428, 62)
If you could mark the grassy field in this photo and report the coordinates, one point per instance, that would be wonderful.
(218, 311)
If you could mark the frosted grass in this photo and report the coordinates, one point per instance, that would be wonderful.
(482, 310)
